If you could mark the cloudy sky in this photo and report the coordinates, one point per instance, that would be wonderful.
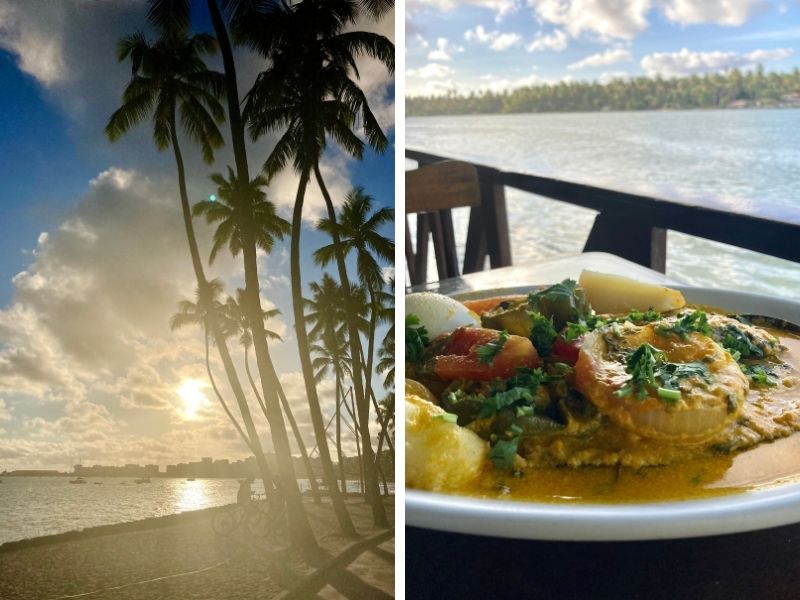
(473, 45)
(93, 258)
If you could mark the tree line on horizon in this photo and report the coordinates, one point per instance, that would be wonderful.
(307, 93)
(712, 90)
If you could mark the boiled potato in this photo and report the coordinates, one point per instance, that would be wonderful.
(440, 455)
(616, 294)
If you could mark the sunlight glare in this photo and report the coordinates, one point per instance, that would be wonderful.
(191, 394)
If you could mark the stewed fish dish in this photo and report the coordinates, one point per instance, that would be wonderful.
(604, 389)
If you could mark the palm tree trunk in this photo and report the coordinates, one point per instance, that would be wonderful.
(305, 363)
(220, 398)
(299, 527)
(342, 474)
(373, 492)
(357, 434)
(219, 339)
(312, 480)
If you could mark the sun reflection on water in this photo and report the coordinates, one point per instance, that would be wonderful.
(192, 496)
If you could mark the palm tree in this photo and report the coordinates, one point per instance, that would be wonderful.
(247, 220)
(170, 78)
(309, 94)
(326, 315)
(197, 313)
(357, 227)
(240, 325)
(330, 352)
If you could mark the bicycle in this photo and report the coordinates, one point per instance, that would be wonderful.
(260, 517)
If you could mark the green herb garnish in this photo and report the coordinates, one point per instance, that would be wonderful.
(696, 321)
(641, 366)
(738, 343)
(503, 453)
(449, 417)
(759, 374)
(543, 333)
(670, 373)
(519, 394)
(637, 316)
(488, 352)
(416, 338)
(562, 302)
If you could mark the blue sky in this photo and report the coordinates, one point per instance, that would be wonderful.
(475, 45)
(93, 258)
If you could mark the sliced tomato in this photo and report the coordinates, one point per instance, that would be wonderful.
(459, 359)
(486, 304)
(566, 352)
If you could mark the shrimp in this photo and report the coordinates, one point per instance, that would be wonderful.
(706, 406)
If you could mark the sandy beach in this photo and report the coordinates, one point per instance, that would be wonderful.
(180, 556)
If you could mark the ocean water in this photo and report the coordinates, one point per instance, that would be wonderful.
(745, 160)
(36, 506)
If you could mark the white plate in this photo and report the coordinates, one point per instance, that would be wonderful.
(758, 509)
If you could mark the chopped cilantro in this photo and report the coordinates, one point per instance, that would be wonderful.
(695, 321)
(637, 316)
(416, 338)
(647, 365)
(488, 352)
(562, 302)
(738, 343)
(543, 333)
(448, 417)
(670, 373)
(519, 393)
(575, 330)
(759, 374)
(503, 453)
(641, 367)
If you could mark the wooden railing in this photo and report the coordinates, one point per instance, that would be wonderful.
(629, 225)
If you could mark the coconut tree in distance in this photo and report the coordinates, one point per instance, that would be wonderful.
(170, 79)
(308, 93)
(241, 326)
(358, 231)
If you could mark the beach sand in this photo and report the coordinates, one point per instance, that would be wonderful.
(181, 557)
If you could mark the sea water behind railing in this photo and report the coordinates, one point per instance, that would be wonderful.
(36, 506)
(743, 160)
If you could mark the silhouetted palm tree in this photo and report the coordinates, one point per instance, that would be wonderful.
(309, 94)
(240, 325)
(170, 78)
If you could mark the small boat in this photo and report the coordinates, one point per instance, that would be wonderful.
(190, 479)
(78, 480)
(142, 480)
(98, 482)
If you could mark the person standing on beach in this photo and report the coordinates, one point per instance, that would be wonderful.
(243, 496)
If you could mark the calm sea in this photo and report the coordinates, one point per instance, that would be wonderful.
(35, 506)
(747, 160)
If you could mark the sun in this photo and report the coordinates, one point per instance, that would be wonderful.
(191, 394)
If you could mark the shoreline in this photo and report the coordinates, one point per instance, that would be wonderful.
(137, 525)
(180, 556)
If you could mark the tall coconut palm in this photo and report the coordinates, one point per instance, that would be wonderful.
(169, 78)
(241, 325)
(358, 229)
(330, 355)
(309, 94)
(200, 313)
(246, 221)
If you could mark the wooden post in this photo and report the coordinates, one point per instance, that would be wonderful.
(629, 238)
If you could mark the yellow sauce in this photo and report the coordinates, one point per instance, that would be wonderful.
(767, 464)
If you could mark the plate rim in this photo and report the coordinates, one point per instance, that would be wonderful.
(763, 508)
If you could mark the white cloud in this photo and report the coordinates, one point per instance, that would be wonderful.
(443, 50)
(556, 41)
(431, 70)
(608, 57)
(496, 40)
(720, 12)
(608, 19)
(501, 8)
(37, 44)
(686, 62)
